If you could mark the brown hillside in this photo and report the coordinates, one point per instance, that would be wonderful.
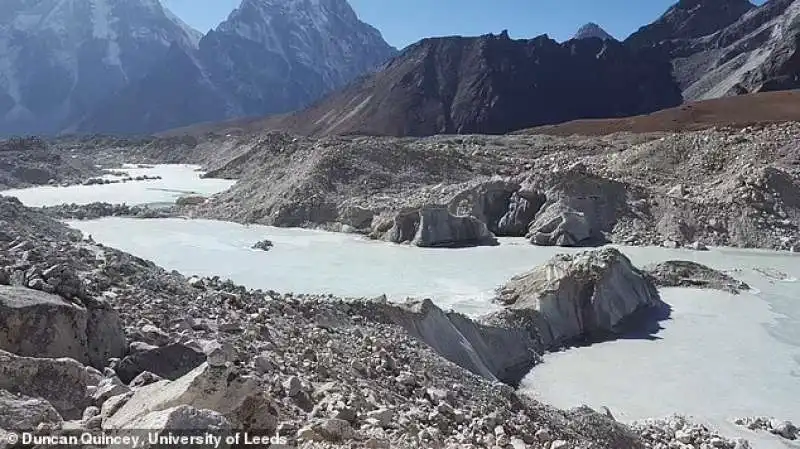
(739, 111)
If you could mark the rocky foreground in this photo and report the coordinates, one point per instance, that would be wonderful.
(723, 187)
(93, 338)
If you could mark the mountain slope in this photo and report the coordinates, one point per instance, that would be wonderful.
(491, 84)
(689, 19)
(727, 47)
(269, 56)
(59, 58)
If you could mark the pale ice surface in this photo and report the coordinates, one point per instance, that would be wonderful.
(177, 180)
(719, 355)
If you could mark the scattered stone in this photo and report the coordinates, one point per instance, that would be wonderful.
(145, 378)
(264, 245)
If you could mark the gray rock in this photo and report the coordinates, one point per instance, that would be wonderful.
(114, 403)
(182, 418)
(61, 382)
(151, 335)
(145, 378)
(38, 324)
(355, 216)
(108, 387)
(170, 362)
(683, 273)
(25, 413)
(263, 245)
(584, 295)
(492, 351)
(581, 210)
(334, 430)
(522, 208)
(488, 202)
(783, 428)
(559, 225)
(104, 334)
(240, 398)
(434, 226)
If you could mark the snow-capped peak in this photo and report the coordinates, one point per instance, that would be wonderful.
(592, 30)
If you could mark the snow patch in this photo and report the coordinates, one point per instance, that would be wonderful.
(101, 21)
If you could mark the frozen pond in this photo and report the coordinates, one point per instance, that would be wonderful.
(176, 181)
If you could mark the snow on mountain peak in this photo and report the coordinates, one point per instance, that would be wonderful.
(592, 30)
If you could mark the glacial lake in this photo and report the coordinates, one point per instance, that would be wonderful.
(719, 355)
(176, 181)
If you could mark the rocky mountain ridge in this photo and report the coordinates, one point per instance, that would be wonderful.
(59, 59)
(134, 67)
(268, 57)
(491, 84)
(728, 48)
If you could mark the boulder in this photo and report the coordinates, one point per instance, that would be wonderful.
(434, 226)
(242, 399)
(522, 208)
(560, 225)
(488, 202)
(190, 200)
(581, 209)
(105, 335)
(170, 362)
(25, 413)
(263, 245)
(585, 295)
(38, 324)
(61, 382)
(151, 335)
(181, 420)
(683, 273)
(107, 388)
(356, 216)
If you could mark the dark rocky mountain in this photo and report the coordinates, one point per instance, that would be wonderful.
(756, 52)
(492, 84)
(690, 19)
(269, 56)
(592, 30)
(60, 58)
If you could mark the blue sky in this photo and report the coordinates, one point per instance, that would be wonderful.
(405, 21)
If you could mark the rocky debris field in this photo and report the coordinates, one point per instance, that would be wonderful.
(722, 187)
(784, 429)
(94, 211)
(95, 338)
(32, 161)
(682, 273)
